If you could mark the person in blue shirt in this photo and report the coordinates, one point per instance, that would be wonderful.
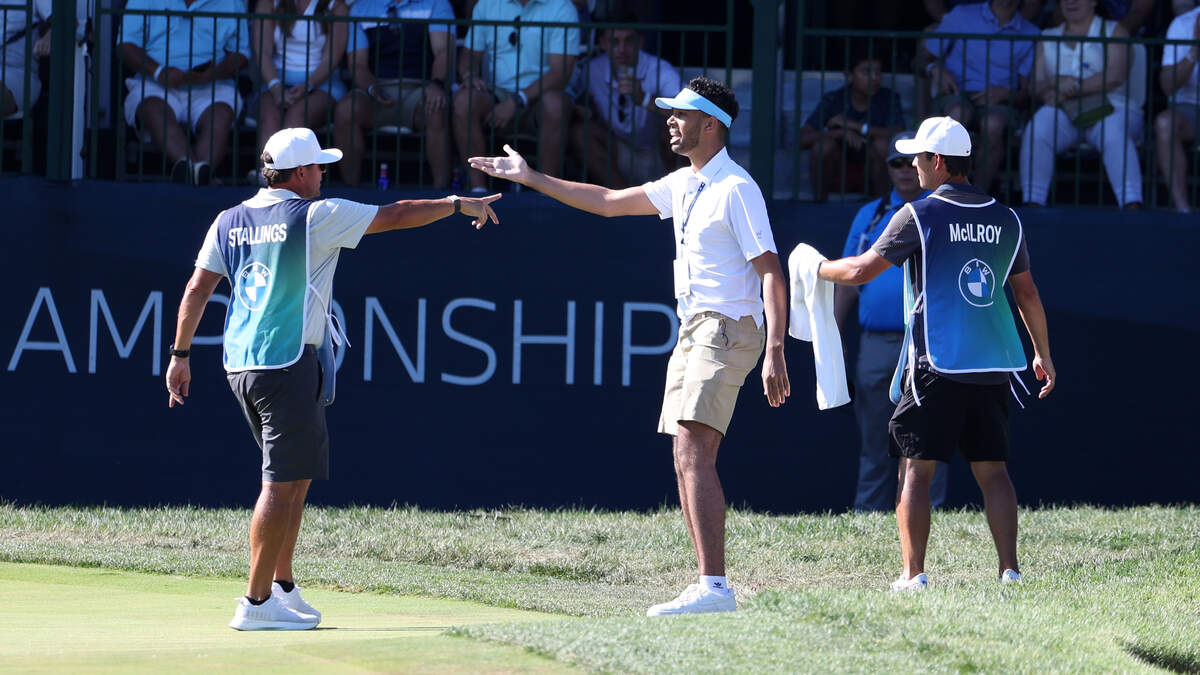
(399, 72)
(181, 71)
(978, 82)
(880, 305)
(854, 123)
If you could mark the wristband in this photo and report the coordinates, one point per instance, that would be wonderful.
(457, 203)
(647, 99)
(181, 353)
(272, 83)
(158, 71)
(931, 65)
(523, 99)
(370, 90)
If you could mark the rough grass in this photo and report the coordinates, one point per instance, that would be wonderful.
(1105, 589)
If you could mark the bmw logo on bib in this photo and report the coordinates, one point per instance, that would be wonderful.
(253, 286)
(976, 282)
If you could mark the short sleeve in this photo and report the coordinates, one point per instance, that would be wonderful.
(210, 258)
(339, 223)
(941, 46)
(563, 40)
(133, 25)
(356, 40)
(749, 221)
(1178, 30)
(822, 113)
(900, 239)
(237, 37)
(669, 82)
(480, 41)
(441, 10)
(659, 194)
(1025, 60)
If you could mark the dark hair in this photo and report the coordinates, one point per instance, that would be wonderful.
(274, 176)
(291, 7)
(622, 16)
(955, 165)
(719, 94)
(862, 50)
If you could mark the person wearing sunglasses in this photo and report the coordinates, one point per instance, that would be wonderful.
(880, 307)
(848, 131)
(528, 68)
(400, 71)
(624, 141)
(279, 249)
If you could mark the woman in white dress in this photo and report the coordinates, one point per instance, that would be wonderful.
(298, 61)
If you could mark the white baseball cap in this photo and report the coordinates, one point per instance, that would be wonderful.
(290, 148)
(939, 135)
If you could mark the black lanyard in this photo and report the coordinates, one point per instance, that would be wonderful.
(688, 215)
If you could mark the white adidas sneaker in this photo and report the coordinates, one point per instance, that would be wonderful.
(696, 599)
(293, 600)
(1010, 577)
(917, 583)
(271, 615)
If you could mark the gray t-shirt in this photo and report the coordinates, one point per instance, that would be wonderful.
(901, 240)
(333, 224)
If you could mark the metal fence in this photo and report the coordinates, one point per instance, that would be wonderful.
(18, 77)
(1023, 150)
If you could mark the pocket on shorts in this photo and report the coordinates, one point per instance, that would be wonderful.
(713, 333)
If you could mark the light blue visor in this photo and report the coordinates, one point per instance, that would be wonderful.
(690, 100)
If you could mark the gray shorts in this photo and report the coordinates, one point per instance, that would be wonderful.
(286, 417)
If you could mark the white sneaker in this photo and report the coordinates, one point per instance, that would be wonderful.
(293, 600)
(917, 583)
(696, 599)
(1010, 577)
(271, 615)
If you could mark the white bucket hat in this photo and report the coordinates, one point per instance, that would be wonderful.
(290, 148)
(939, 135)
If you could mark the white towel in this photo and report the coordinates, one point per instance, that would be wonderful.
(812, 321)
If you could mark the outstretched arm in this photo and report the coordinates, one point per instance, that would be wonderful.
(412, 213)
(584, 196)
(854, 271)
(195, 298)
(1029, 303)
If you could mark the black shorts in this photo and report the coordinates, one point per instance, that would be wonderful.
(286, 417)
(970, 417)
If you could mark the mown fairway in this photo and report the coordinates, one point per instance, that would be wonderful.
(1112, 590)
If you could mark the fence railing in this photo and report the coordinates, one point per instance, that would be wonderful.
(18, 88)
(1033, 142)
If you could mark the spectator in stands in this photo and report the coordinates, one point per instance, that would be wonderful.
(979, 82)
(297, 62)
(1030, 9)
(399, 80)
(1132, 14)
(16, 34)
(857, 122)
(192, 84)
(881, 322)
(1088, 93)
(529, 67)
(624, 139)
(1179, 124)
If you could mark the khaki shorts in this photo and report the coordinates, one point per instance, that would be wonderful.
(1012, 117)
(707, 368)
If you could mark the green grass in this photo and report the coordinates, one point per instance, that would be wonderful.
(1114, 590)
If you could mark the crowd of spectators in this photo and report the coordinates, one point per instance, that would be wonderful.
(585, 97)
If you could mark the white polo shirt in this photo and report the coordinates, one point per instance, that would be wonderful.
(728, 227)
(333, 224)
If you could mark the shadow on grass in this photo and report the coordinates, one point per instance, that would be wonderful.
(385, 629)
(1164, 657)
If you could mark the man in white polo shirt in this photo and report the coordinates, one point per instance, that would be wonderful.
(279, 250)
(724, 258)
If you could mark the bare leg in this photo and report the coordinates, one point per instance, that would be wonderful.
(992, 128)
(212, 135)
(878, 150)
(273, 520)
(1000, 503)
(912, 512)
(696, 466)
(1170, 135)
(283, 564)
(352, 114)
(10, 103)
(471, 106)
(684, 503)
(437, 148)
(270, 118)
(312, 112)
(550, 135)
(158, 119)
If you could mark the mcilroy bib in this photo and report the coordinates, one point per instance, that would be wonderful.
(266, 254)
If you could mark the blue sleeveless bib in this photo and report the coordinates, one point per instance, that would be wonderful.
(266, 253)
(967, 252)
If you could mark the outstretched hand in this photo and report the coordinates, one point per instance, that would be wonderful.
(512, 167)
(480, 208)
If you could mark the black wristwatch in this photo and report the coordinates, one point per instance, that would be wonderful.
(181, 353)
(457, 203)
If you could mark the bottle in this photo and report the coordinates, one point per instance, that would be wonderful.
(456, 182)
(383, 177)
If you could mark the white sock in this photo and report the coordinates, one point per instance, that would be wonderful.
(715, 584)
